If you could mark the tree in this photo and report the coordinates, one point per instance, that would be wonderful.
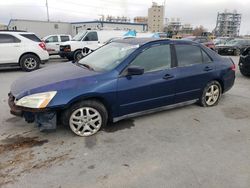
(198, 31)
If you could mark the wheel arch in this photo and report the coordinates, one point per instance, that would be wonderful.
(26, 53)
(97, 98)
(221, 84)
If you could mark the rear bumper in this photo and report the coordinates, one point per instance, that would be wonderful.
(68, 55)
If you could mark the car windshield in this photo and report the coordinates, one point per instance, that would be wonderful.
(108, 57)
(79, 36)
(233, 42)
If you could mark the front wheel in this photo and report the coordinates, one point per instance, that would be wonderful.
(211, 94)
(86, 118)
(237, 52)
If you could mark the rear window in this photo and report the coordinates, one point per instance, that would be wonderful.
(31, 37)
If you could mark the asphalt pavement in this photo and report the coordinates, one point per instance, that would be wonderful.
(187, 147)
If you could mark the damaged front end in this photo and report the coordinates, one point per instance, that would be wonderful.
(45, 119)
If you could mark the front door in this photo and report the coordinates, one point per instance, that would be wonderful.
(154, 88)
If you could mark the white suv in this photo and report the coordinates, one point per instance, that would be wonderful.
(21, 49)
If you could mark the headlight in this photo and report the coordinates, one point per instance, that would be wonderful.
(39, 100)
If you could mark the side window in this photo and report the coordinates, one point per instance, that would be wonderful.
(154, 59)
(31, 37)
(206, 58)
(92, 36)
(52, 39)
(64, 38)
(188, 55)
(5, 38)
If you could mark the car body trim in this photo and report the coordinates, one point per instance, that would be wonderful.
(116, 119)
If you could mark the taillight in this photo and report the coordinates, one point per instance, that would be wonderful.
(233, 67)
(42, 45)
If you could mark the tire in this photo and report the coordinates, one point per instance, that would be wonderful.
(82, 124)
(209, 96)
(78, 56)
(244, 72)
(29, 62)
(237, 52)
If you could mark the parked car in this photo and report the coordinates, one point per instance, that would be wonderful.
(233, 47)
(221, 40)
(244, 63)
(202, 40)
(21, 49)
(122, 79)
(86, 41)
(53, 43)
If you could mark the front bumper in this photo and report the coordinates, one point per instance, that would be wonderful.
(45, 119)
(225, 51)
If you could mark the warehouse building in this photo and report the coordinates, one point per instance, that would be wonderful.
(44, 28)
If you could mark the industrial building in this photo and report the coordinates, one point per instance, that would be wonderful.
(44, 28)
(156, 18)
(228, 24)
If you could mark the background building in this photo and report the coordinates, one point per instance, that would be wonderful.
(105, 25)
(3, 27)
(228, 24)
(156, 18)
(41, 28)
(141, 19)
(44, 28)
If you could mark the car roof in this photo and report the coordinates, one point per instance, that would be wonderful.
(142, 41)
(15, 32)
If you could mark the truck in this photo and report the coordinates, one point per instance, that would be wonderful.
(53, 42)
(86, 42)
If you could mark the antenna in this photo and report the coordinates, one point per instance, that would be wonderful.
(47, 7)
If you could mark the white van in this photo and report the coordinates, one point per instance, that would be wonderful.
(53, 42)
(88, 41)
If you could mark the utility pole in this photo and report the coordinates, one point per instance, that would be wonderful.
(47, 7)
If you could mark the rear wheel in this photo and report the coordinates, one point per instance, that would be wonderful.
(211, 94)
(237, 52)
(86, 118)
(29, 62)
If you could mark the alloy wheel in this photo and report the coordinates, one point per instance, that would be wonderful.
(85, 121)
(212, 95)
(30, 63)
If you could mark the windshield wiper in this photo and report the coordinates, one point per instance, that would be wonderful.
(87, 66)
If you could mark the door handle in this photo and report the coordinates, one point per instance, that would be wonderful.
(17, 46)
(208, 69)
(168, 76)
(57, 44)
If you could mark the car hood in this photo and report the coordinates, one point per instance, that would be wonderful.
(54, 78)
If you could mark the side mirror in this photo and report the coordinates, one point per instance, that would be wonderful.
(135, 70)
(46, 41)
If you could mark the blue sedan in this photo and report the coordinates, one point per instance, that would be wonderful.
(123, 79)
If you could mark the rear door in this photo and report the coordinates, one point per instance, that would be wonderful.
(154, 88)
(10, 47)
(195, 69)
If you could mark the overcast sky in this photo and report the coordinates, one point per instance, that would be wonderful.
(194, 12)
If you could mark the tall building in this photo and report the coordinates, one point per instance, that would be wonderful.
(156, 18)
(228, 24)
